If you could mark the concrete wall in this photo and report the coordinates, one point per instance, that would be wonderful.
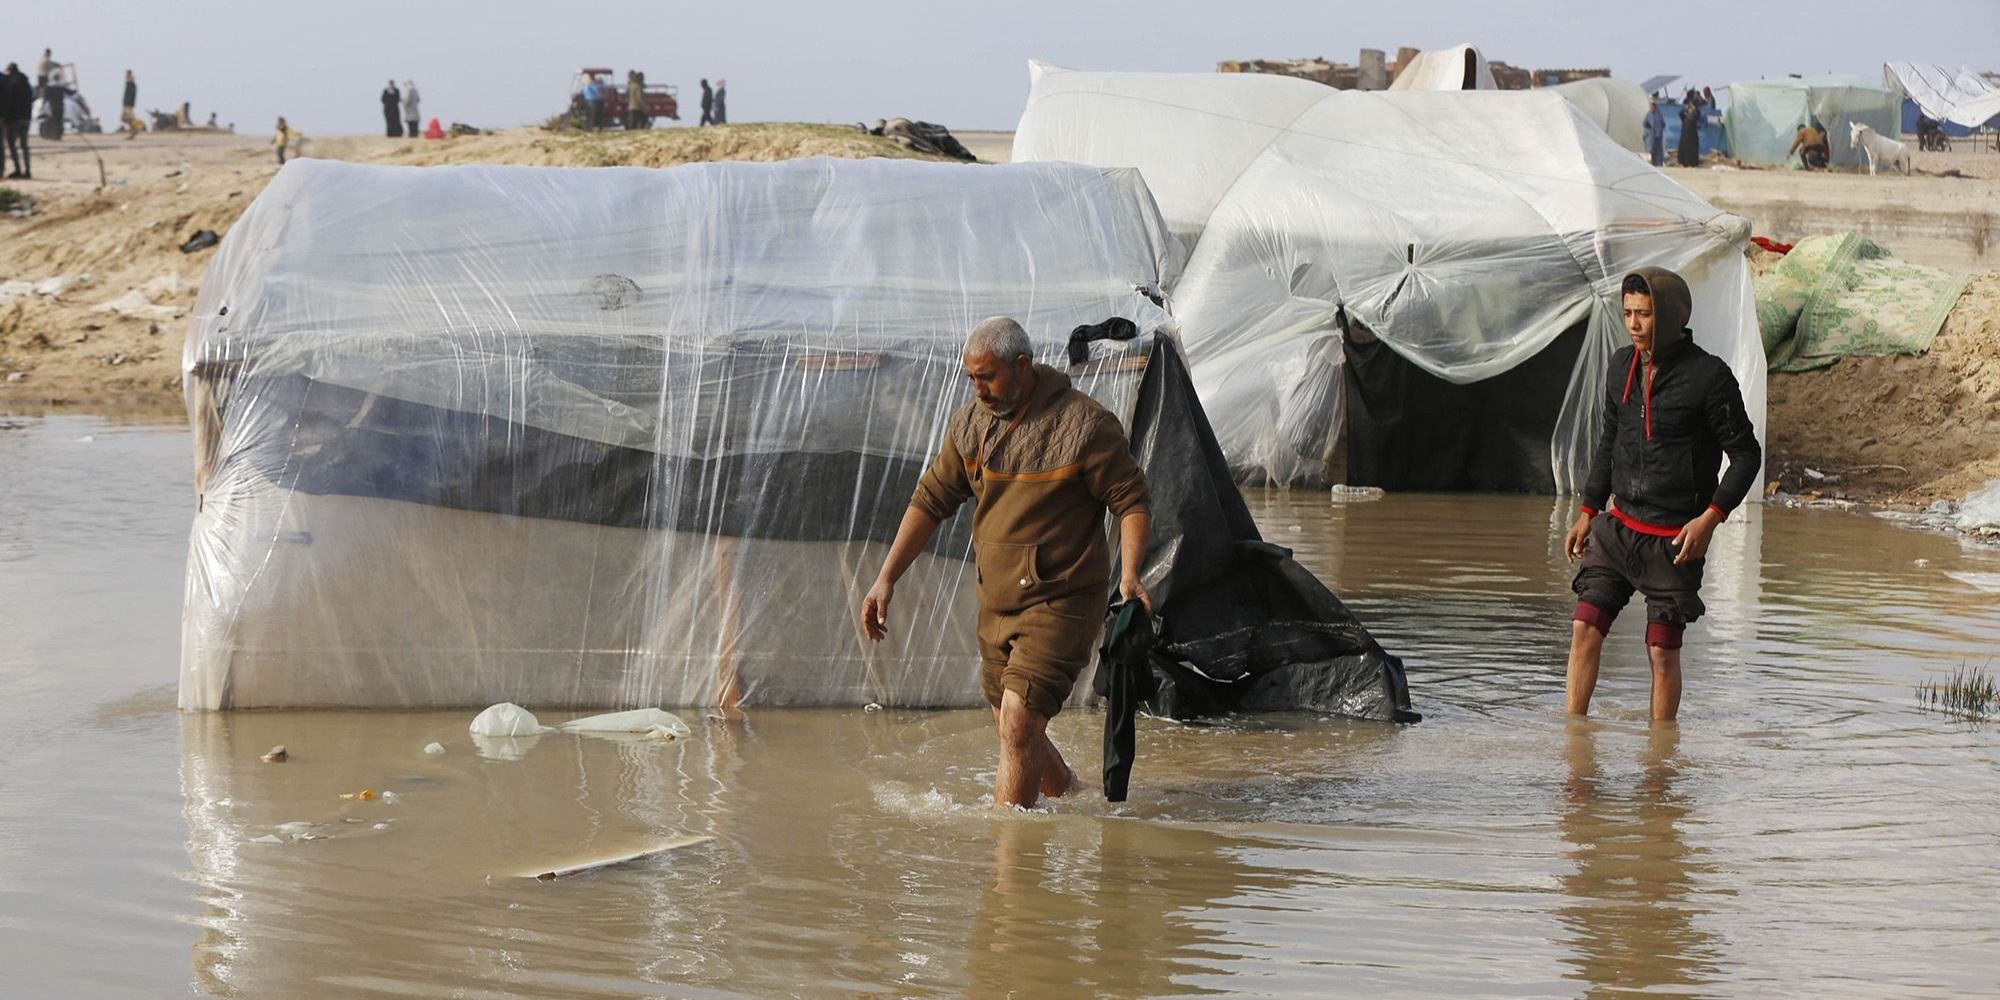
(1941, 221)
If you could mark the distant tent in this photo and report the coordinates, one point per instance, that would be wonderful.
(1959, 97)
(1655, 84)
(1460, 67)
(1764, 115)
(1616, 106)
(1413, 290)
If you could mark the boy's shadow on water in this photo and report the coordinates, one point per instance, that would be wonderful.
(1630, 903)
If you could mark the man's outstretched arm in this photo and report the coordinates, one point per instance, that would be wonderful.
(911, 536)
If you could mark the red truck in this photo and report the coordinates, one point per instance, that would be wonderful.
(661, 100)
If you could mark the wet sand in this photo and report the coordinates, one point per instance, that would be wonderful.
(1807, 830)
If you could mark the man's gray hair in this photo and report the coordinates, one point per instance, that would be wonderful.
(1001, 337)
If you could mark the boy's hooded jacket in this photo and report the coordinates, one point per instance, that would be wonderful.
(1662, 438)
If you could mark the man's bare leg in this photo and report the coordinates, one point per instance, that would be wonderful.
(1053, 776)
(1666, 683)
(1586, 649)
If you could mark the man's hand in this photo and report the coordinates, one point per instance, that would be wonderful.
(1577, 539)
(1692, 542)
(875, 610)
(1130, 587)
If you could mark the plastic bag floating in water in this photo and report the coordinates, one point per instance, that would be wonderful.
(506, 719)
(651, 721)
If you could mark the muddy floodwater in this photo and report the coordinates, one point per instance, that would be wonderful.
(1807, 831)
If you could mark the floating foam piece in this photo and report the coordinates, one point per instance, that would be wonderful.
(638, 720)
(506, 719)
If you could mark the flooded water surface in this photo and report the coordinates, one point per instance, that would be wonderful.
(1806, 830)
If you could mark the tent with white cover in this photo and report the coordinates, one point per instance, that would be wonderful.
(1764, 116)
(1460, 67)
(1400, 289)
(1616, 106)
(623, 437)
(1958, 97)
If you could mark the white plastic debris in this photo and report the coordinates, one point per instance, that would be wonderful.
(506, 719)
(433, 748)
(872, 707)
(1981, 508)
(638, 720)
(1349, 494)
(269, 838)
(165, 286)
(135, 304)
(60, 283)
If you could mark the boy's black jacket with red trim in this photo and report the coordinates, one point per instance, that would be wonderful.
(1661, 441)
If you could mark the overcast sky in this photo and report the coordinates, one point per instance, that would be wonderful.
(507, 62)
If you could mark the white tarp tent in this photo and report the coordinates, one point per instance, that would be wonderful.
(1616, 106)
(1961, 97)
(1460, 67)
(1764, 116)
(1469, 232)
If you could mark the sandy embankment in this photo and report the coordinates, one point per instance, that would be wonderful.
(1897, 429)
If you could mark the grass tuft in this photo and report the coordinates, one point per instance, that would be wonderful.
(1969, 693)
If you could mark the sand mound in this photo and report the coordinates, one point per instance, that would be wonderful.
(65, 349)
(1900, 429)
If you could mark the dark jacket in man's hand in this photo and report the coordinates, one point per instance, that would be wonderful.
(1662, 440)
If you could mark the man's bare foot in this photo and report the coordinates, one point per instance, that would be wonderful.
(1057, 778)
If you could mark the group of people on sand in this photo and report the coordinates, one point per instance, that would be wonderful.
(1042, 463)
(401, 110)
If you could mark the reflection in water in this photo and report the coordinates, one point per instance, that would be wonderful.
(1629, 903)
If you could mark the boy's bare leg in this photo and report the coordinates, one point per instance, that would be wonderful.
(1051, 774)
(1586, 649)
(1666, 683)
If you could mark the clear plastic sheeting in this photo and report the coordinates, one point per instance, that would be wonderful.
(613, 437)
(631, 438)
(1452, 259)
(1764, 116)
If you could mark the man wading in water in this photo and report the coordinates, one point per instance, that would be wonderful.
(1672, 411)
(1042, 462)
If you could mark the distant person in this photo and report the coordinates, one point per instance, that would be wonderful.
(1811, 145)
(211, 120)
(707, 103)
(410, 116)
(1690, 150)
(392, 110)
(635, 100)
(285, 139)
(17, 110)
(593, 102)
(131, 100)
(1652, 499)
(1656, 133)
(721, 101)
(45, 69)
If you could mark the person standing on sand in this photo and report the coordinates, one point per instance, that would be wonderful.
(285, 138)
(1690, 150)
(410, 106)
(1656, 132)
(707, 103)
(721, 101)
(1652, 499)
(392, 108)
(1041, 462)
(17, 108)
(127, 103)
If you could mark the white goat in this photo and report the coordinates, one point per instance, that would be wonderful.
(1880, 148)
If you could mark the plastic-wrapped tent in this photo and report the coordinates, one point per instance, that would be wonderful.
(1401, 289)
(1460, 67)
(1763, 117)
(619, 436)
(1616, 106)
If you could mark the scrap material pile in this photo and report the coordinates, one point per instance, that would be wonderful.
(640, 437)
(1411, 289)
